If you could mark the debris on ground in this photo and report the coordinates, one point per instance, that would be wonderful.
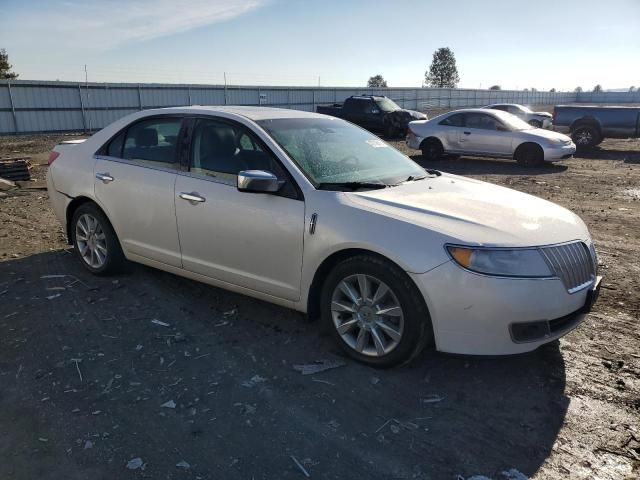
(254, 380)
(183, 464)
(319, 366)
(159, 322)
(15, 168)
(135, 464)
(432, 399)
(169, 404)
(302, 469)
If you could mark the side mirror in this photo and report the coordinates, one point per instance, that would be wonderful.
(258, 181)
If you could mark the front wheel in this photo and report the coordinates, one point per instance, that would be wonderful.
(95, 241)
(536, 123)
(375, 312)
(529, 155)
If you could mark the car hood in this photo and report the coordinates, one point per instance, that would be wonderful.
(547, 134)
(543, 114)
(474, 212)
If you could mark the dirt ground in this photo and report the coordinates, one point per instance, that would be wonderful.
(90, 384)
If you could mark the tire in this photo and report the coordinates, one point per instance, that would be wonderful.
(529, 155)
(432, 149)
(535, 123)
(91, 230)
(406, 322)
(585, 136)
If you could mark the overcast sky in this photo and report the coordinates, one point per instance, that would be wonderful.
(516, 44)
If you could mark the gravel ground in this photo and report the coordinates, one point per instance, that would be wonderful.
(93, 387)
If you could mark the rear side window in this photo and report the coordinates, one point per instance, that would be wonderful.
(153, 141)
(456, 120)
(114, 149)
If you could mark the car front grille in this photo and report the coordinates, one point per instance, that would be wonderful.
(573, 263)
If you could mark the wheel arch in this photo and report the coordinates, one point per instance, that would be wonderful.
(73, 206)
(315, 288)
(587, 120)
(430, 138)
(528, 143)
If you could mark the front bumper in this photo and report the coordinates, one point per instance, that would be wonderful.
(560, 152)
(413, 141)
(476, 314)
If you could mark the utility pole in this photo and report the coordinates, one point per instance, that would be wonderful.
(86, 87)
(225, 88)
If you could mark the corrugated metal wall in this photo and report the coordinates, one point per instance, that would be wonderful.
(40, 106)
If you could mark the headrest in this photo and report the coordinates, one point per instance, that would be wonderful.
(147, 137)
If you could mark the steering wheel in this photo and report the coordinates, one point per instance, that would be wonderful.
(350, 158)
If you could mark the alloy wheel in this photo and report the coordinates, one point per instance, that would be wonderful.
(91, 241)
(583, 137)
(367, 315)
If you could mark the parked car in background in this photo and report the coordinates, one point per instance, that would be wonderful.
(375, 113)
(487, 133)
(313, 213)
(588, 126)
(535, 119)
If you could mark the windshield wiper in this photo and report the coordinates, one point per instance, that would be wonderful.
(415, 178)
(350, 185)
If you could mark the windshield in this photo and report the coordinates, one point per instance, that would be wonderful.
(387, 105)
(513, 122)
(334, 151)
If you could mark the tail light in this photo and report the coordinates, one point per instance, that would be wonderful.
(52, 156)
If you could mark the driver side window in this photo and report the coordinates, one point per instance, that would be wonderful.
(221, 150)
(481, 121)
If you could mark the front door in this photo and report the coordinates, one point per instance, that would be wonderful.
(485, 134)
(134, 180)
(253, 240)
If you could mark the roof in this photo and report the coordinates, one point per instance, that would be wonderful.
(251, 112)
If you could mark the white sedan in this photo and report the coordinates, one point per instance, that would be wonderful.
(316, 214)
(487, 133)
(535, 119)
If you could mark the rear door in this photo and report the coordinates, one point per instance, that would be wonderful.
(485, 134)
(135, 175)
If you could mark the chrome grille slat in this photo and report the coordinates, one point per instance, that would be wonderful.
(578, 264)
(574, 264)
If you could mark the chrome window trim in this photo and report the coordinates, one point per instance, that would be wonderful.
(135, 164)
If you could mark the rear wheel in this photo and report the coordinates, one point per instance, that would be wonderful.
(585, 136)
(432, 149)
(374, 311)
(529, 155)
(95, 241)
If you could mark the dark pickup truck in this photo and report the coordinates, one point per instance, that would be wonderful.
(588, 126)
(375, 113)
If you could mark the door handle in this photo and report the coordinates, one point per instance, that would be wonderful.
(192, 197)
(105, 177)
(467, 133)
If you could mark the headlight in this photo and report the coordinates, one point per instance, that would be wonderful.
(515, 262)
(556, 141)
